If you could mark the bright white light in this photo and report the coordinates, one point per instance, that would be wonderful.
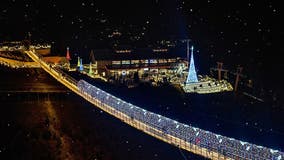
(248, 147)
(197, 134)
(273, 151)
(243, 143)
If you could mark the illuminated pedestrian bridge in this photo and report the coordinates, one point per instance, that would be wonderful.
(192, 139)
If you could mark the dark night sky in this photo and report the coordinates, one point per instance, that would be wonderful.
(247, 32)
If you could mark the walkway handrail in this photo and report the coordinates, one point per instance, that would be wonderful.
(230, 147)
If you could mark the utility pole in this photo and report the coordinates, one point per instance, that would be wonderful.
(29, 37)
(239, 71)
(187, 49)
(219, 68)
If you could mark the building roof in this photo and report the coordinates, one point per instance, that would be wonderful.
(136, 54)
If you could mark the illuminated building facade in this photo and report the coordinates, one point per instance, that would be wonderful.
(127, 62)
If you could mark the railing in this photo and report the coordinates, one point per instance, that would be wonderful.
(193, 139)
(17, 64)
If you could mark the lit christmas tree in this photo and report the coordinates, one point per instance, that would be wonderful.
(191, 77)
(78, 62)
(90, 69)
(81, 65)
(68, 54)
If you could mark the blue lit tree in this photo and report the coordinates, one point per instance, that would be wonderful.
(191, 77)
(81, 65)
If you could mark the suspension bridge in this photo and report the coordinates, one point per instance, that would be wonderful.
(192, 139)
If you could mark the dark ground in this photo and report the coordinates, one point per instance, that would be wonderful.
(64, 126)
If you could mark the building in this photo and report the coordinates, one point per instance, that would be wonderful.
(126, 63)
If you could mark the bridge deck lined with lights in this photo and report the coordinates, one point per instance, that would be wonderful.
(17, 64)
(193, 139)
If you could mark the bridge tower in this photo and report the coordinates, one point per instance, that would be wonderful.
(239, 71)
(67, 54)
(191, 77)
(219, 68)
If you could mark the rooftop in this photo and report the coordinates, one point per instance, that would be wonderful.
(136, 54)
